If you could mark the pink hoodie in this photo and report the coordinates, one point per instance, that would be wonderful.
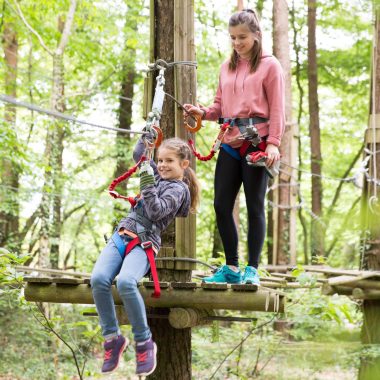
(244, 94)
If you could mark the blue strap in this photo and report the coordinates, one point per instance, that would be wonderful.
(120, 243)
(231, 151)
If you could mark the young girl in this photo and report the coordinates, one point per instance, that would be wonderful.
(250, 97)
(168, 190)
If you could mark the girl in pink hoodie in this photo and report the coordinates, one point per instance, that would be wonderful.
(250, 97)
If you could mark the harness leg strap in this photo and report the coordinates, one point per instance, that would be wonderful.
(147, 247)
(157, 290)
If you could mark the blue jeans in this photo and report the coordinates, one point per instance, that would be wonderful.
(131, 270)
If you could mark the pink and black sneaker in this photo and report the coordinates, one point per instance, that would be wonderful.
(113, 349)
(146, 360)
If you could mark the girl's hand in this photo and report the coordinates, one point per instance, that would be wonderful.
(273, 155)
(196, 111)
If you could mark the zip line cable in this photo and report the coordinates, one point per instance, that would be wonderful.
(60, 115)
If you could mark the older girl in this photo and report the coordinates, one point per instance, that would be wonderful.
(250, 97)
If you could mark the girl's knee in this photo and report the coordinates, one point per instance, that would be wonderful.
(126, 284)
(100, 280)
(221, 210)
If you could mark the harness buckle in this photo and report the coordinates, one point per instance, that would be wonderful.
(146, 244)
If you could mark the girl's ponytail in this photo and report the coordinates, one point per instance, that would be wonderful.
(191, 180)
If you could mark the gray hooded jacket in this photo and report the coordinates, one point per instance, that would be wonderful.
(160, 203)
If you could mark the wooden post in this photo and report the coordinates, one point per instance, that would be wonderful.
(172, 39)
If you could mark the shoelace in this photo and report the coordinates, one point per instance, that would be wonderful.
(108, 354)
(142, 356)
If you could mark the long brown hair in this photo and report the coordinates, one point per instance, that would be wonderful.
(247, 17)
(183, 152)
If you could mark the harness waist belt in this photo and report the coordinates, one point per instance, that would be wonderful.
(144, 222)
(243, 121)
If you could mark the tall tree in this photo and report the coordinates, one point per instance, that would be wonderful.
(284, 233)
(9, 209)
(51, 203)
(317, 231)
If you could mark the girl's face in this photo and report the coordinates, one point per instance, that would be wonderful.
(169, 165)
(242, 39)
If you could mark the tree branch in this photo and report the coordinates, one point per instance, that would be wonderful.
(67, 27)
(21, 15)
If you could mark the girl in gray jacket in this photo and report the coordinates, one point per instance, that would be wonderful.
(168, 189)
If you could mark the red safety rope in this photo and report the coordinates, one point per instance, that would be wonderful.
(198, 155)
(123, 177)
(215, 147)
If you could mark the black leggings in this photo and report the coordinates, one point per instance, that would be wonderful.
(230, 173)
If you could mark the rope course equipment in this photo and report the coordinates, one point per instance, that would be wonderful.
(218, 142)
(152, 138)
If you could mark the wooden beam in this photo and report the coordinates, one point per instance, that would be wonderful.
(229, 299)
(355, 281)
(366, 294)
(329, 290)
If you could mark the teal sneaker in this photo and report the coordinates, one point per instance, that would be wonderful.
(251, 276)
(224, 274)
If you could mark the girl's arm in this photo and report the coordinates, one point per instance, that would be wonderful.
(168, 203)
(138, 152)
(275, 91)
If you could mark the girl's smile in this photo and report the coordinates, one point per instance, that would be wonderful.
(242, 39)
(169, 165)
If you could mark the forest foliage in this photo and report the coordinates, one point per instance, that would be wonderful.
(94, 62)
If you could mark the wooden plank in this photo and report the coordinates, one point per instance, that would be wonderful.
(150, 284)
(244, 287)
(183, 285)
(47, 280)
(366, 281)
(198, 298)
(52, 271)
(270, 284)
(68, 280)
(287, 276)
(333, 271)
(214, 286)
(274, 279)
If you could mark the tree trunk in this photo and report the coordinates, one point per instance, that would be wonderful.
(9, 218)
(51, 203)
(317, 231)
(57, 104)
(370, 213)
(286, 214)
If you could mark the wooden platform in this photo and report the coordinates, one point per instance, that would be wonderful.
(173, 295)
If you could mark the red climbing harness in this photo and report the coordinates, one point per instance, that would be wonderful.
(148, 248)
